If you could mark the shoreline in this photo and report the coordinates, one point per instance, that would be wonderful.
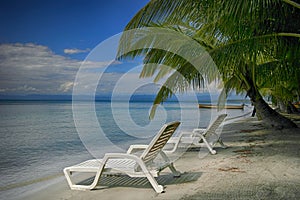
(259, 164)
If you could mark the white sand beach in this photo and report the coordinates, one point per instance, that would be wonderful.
(259, 164)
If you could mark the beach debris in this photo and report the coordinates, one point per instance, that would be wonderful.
(243, 151)
(231, 169)
(244, 159)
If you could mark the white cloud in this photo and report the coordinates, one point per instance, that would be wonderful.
(65, 87)
(75, 51)
(24, 88)
(35, 69)
(30, 68)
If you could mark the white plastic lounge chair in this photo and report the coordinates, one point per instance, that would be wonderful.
(199, 137)
(128, 163)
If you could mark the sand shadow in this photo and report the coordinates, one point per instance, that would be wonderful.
(110, 181)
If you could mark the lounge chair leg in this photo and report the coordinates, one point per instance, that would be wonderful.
(171, 166)
(210, 148)
(174, 171)
(68, 172)
(222, 144)
(97, 177)
(158, 188)
(208, 145)
(73, 186)
(68, 177)
(213, 151)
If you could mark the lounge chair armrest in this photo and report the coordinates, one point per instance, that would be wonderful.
(137, 159)
(136, 147)
(199, 130)
(120, 155)
(183, 134)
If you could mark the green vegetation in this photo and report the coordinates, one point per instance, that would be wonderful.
(255, 45)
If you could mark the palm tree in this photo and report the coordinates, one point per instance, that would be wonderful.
(285, 91)
(247, 41)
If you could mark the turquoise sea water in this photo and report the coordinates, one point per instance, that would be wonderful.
(39, 138)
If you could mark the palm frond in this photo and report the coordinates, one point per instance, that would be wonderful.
(247, 41)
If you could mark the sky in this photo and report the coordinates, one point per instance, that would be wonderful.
(43, 43)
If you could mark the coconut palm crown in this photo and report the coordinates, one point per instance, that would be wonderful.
(254, 44)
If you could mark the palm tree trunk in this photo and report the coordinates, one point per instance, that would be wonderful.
(293, 109)
(282, 106)
(268, 115)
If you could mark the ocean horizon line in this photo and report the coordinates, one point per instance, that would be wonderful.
(203, 97)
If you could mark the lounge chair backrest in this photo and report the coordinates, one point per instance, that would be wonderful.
(215, 125)
(159, 141)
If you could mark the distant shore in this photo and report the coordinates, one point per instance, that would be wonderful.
(259, 164)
